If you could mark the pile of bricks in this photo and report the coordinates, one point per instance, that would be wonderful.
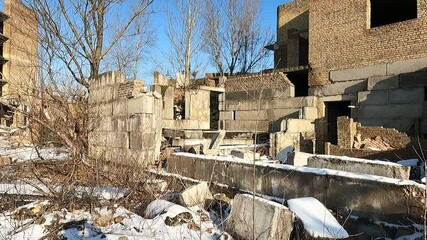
(376, 143)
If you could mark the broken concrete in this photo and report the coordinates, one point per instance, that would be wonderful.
(245, 154)
(195, 195)
(273, 221)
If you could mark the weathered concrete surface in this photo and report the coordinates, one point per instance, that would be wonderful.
(195, 195)
(273, 221)
(377, 197)
(358, 165)
(358, 73)
(297, 125)
(298, 159)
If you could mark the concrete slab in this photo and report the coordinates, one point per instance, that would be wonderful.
(383, 82)
(358, 165)
(273, 220)
(379, 97)
(358, 73)
(406, 66)
(339, 88)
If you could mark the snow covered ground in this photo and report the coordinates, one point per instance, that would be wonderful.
(36, 220)
(26, 153)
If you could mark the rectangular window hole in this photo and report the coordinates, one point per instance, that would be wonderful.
(385, 12)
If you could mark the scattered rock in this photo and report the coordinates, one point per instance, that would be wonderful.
(5, 160)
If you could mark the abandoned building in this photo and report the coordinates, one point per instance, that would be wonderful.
(18, 58)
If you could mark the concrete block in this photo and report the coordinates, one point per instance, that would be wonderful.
(383, 82)
(406, 66)
(101, 110)
(390, 111)
(339, 88)
(299, 159)
(358, 73)
(358, 165)
(415, 79)
(273, 220)
(217, 139)
(226, 115)
(373, 97)
(195, 195)
(309, 113)
(245, 154)
(297, 125)
(143, 104)
(120, 107)
(277, 114)
(251, 115)
(117, 140)
(406, 95)
(135, 141)
(247, 126)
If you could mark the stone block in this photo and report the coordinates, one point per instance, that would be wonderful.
(120, 107)
(297, 125)
(358, 165)
(143, 104)
(415, 79)
(358, 73)
(406, 95)
(101, 110)
(251, 115)
(195, 195)
(309, 113)
(247, 126)
(406, 66)
(383, 82)
(273, 220)
(373, 97)
(117, 140)
(245, 154)
(299, 159)
(339, 88)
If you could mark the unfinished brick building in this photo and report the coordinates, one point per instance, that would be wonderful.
(18, 57)
(362, 59)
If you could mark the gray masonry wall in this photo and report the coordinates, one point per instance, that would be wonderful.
(392, 95)
(260, 102)
(125, 128)
(377, 197)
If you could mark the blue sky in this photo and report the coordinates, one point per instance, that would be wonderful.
(268, 18)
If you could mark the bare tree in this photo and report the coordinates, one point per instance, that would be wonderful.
(183, 32)
(77, 31)
(233, 36)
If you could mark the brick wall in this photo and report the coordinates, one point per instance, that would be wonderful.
(21, 49)
(122, 130)
(340, 38)
(395, 138)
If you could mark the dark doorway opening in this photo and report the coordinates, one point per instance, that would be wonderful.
(214, 110)
(300, 81)
(333, 111)
(385, 12)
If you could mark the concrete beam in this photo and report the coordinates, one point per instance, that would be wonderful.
(406, 66)
(358, 73)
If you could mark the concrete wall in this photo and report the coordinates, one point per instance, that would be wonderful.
(261, 102)
(124, 129)
(377, 197)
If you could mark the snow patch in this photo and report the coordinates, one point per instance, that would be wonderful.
(317, 220)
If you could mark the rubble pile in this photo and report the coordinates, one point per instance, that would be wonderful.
(376, 143)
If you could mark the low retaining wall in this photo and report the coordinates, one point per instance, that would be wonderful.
(374, 197)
